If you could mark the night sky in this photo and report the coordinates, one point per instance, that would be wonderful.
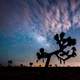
(27, 25)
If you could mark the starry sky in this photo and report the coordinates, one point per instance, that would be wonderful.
(27, 25)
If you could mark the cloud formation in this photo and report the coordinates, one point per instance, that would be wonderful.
(54, 15)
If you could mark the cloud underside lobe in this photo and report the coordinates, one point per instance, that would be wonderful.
(53, 15)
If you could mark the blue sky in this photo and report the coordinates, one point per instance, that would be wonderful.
(27, 25)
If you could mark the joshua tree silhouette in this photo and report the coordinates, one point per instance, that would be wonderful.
(63, 43)
(10, 62)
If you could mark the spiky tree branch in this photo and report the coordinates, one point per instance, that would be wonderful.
(63, 43)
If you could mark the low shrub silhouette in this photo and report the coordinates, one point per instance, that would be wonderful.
(10, 62)
(30, 64)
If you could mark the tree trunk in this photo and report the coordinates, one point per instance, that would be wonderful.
(47, 61)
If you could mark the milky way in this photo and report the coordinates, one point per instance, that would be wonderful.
(27, 25)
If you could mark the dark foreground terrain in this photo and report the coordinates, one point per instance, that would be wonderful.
(35, 73)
